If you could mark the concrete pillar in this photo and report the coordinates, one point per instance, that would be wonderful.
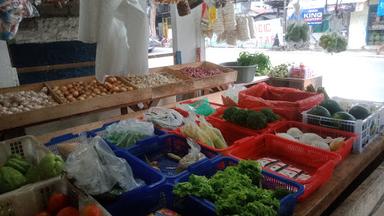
(358, 28)
(186, 34)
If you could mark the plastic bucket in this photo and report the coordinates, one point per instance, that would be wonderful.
(245, 74)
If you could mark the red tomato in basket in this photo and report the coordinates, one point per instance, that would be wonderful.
(91, 210)
(44, 213)
(57, 201)
(68, 211)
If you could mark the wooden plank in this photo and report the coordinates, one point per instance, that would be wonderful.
(364, 199)
(343, 176)
(47, 68)
(379, 211)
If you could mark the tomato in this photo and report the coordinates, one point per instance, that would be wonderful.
(43, 213)
(91, 210)
(56, 202)
(68, 211)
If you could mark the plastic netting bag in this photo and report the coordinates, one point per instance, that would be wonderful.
(128, 132)
(251, 26)
(229, 17)
(242, 28)
(231, 96)
(218, 26)
(165, 118)
(96, 169)
(200, 107)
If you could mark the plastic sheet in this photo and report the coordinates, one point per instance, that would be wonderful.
(96, 169)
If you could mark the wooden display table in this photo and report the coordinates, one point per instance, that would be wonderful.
(147, 96)
(318, 202)
(296, 83)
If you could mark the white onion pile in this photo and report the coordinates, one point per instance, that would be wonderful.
(23, 101)
(153, 79)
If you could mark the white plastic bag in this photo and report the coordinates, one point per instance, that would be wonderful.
(121, 31)
(96, 169)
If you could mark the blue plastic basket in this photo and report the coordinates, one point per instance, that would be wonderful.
(101, 131)
(270, 181)
(156, 150)
(155, 199)
(152, 179)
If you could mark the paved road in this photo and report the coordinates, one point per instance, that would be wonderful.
(358, 75)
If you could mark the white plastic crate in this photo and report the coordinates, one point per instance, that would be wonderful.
(31, 200)
(366, 129)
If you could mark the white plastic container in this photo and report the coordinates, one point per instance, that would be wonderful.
(33, 199)
(366, 130)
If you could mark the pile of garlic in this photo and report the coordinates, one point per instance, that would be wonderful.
(312, 139)
(23, 101)
(153, 79)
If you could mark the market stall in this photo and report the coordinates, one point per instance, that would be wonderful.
(324, 182)
(317, 203)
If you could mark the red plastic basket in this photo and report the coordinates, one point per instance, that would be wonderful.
(218, 115)
(350, 138)
(231, 133)
(287, 102)
(317, 162)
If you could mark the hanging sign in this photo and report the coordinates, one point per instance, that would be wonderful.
(266, 31)
(313, 16)
(380, 8)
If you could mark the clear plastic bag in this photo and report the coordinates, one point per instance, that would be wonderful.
(233, 94)
(96, 169)
(128, 132)
(193, 155)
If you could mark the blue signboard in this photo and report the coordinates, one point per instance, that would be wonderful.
(380, 8)
(313, 16)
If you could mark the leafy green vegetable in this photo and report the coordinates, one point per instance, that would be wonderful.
(234, 191)
(333, 43)
(256, 120)
(271, 116)
(124, 139)
(297, 32)
(261, 60)
(250, 118)
(229, 112)
(280, 193)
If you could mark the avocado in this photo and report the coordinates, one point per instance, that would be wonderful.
(320, 111)
(331, 105)
(359, 112)
(343, 116)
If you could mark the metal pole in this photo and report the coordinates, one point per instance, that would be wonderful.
(285, 16)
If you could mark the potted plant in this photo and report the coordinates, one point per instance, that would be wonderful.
(248, 65)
